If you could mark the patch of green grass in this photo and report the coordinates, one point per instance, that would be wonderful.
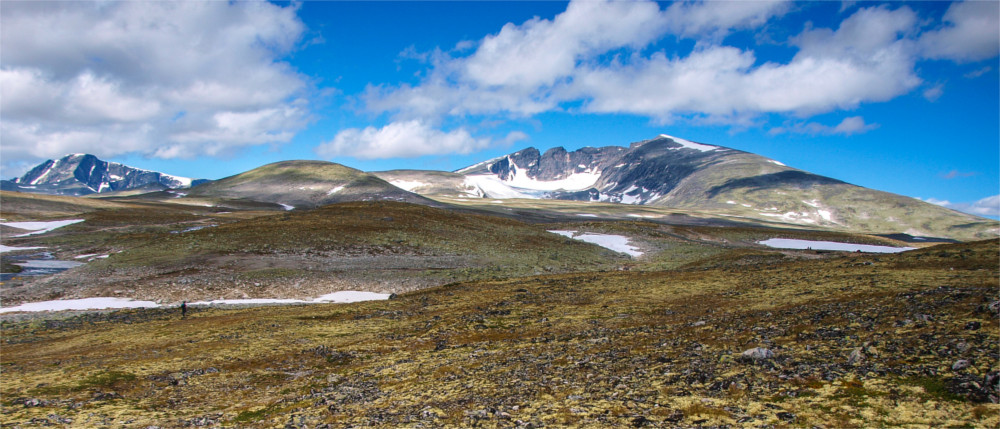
(107, 380)
(934, 388)
(253, 416)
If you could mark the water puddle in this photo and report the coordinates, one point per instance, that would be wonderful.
(38, 264)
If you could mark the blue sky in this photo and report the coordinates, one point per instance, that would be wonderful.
(901, 97)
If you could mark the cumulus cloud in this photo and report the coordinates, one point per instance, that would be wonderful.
(594, 58)
(166, 79)
(406, 139)
(970, 32)
(989, 206)
(533, 67)
(714, 20)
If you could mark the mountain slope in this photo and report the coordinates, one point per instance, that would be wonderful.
(305, 184)
(672, 172)
(383, 246)
(83, 174)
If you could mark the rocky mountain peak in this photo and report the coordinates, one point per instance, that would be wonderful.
(82, 174)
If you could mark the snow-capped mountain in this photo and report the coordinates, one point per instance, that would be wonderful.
(83, 174)
(643, 173)
(673, 172)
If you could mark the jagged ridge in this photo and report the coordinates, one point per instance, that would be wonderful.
(84, 174)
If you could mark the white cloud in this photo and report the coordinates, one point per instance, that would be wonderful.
(865, 60)
(978, 72)
(848, 126)
(989, 206)
(715, 19)
(531, 68)
(593, 58)
(933, 93)
(168, 79)
(539, 52)
(407, 139)
(971, 32)
(853, 125)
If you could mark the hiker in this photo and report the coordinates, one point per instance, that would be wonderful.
(184, 309)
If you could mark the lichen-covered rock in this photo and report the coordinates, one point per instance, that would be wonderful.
(757, 354)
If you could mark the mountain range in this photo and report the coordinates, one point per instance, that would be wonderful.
(672, 172)
(82, 174)
(663, 172)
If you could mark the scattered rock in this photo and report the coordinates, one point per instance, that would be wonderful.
(757, 354)
(960, 365)
(33, 402)
(856, 357)
(786, 416)
(973, 326)
(991, 386)
(640, 421)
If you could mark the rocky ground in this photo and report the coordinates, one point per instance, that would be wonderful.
(908, 340)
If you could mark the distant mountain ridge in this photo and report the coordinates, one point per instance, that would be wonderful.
(83, 174)
(668, 171)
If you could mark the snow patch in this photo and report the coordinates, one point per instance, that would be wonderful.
(492, 187)
(80, 304)
(522, 186)
(16, 249)
(408, 185)
(335, 190)
(617, 243)
(690, 144)
(352, 296)
(40, 227)
(346, 296)
(776, 162)
(586, 215)
(286, 207)
(49, 264)
(475, 166)
(789, 243)
(185, 182)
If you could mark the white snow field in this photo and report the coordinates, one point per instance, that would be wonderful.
(690, 144)
(49, 264)
(352, 296)
(790, 243)
(407, 185)
(617, 243)
(343, 297)
(40, 227)
(522, 186)
(15, 249)
(80, 304)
